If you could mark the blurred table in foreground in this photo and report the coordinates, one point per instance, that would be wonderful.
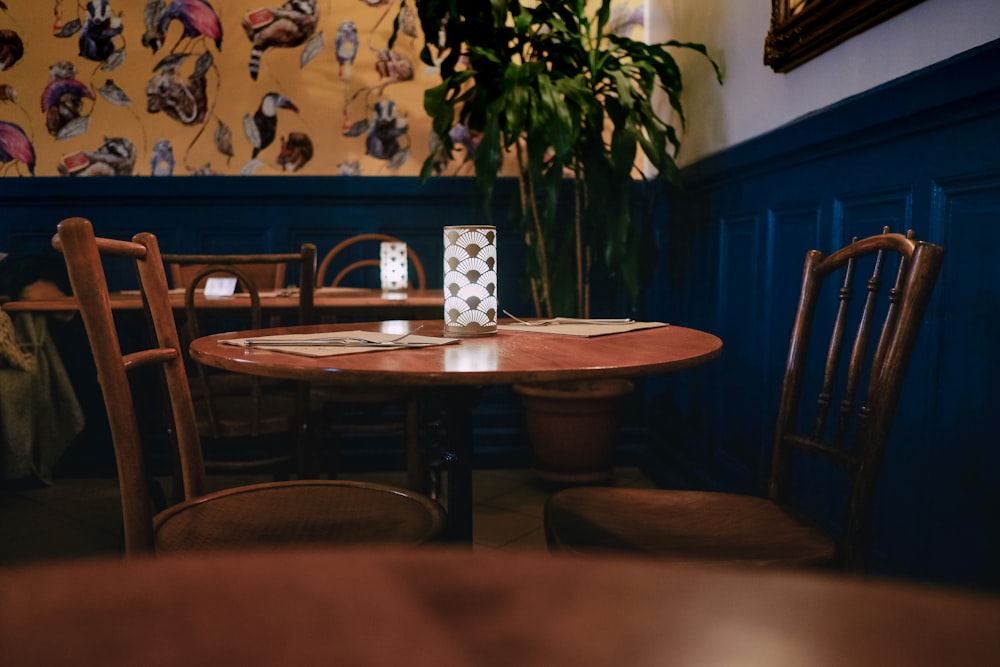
(437, 607)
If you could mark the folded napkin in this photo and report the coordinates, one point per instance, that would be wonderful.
(294, 291)
(269, 294)
(584, 329)
(317, 349)
(172, 290)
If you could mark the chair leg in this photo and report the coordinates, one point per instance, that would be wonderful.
(416, 460)
(432, 456)
(312, 460)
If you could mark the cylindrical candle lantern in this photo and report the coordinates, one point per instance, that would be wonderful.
(393, 264)
(470, 280)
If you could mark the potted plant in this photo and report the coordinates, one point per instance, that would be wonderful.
(551, 88)
(558, 89)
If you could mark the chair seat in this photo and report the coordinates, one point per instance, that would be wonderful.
(683, 526)
(331, 512)
(277, 415)
(361, 395)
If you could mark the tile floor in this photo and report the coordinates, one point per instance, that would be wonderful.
(77, 518)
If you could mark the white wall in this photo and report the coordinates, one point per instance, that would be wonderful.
(754, 99)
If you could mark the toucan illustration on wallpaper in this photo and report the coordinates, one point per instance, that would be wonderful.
(262, 127)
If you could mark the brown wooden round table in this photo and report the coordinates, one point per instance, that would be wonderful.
(457, 370)
(446, 608)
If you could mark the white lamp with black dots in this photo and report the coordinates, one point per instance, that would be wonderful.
(393, 266)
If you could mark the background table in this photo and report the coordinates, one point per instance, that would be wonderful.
(440, 607)
(346, 301)
(457, 370)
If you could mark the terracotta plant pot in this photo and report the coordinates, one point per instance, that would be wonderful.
(573, 428)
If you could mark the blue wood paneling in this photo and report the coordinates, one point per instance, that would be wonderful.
(919, 153)
(277, 214)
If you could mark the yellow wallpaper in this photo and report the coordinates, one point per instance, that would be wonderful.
(75, 75)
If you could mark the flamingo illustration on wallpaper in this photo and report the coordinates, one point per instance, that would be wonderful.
(197, 17)
(15, 146)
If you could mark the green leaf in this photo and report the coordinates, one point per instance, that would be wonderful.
(544, 80)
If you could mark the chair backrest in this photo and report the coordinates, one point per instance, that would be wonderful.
(263, 270)
(267, 275)
(418, 278)
(241, 267)
(75, 238)
(857, 373)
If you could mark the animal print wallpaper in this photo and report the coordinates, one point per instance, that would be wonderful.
(192, 87)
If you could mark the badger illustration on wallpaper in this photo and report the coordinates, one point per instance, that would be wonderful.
(286, 26)
(99, 31)
(384, 132)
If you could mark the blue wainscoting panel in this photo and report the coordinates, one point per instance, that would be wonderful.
(918, 153)
(271, 214)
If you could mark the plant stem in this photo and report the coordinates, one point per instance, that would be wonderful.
(581, 289)
(529, 205)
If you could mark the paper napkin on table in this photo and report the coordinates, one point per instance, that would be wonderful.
(294, 291)
(332, 350)
(581, 328)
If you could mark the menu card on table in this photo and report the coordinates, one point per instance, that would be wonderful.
(328, 344)
(583, 329)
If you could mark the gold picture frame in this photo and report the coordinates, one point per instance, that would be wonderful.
(803, 29)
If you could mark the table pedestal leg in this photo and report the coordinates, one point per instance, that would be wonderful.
(457, 452)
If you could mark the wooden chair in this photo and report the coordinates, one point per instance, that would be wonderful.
(335, 260)
(234, 410)
(268, 514)
(371, 412)
(857, 386)
(266, 275)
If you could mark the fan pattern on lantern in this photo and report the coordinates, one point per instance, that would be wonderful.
(470, 280)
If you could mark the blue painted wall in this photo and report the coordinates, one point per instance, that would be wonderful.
(921, 153)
